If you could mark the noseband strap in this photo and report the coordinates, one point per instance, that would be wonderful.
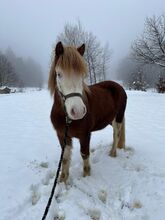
(70, 95)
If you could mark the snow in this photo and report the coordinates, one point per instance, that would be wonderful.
(129, 187)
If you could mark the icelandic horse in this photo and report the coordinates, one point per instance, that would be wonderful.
(90, 108)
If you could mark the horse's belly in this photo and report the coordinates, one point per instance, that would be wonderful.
(100, 126)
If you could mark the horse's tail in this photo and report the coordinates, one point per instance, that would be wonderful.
(52, 78)
(120, 118)
(121, 143)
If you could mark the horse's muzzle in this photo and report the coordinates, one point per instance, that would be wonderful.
(77, 113)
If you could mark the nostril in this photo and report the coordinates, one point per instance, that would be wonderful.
(73, 112)
(77, 113)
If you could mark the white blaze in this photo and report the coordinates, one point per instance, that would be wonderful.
(75, 106)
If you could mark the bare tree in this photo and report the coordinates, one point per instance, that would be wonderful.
(96, 56)
(106, 55)
(126, 70)
(150, 47)
(7, 74)
(138, 82)
(28, 70)
(160, 86)
(132, 74)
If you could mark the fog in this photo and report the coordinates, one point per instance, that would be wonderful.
(30, 27)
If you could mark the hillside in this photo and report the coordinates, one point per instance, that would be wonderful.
(129, 187)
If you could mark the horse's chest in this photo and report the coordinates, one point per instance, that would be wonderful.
(75, 127)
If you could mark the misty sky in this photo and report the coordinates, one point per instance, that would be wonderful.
(30, 27)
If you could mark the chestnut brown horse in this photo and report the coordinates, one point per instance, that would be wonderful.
(90, 108)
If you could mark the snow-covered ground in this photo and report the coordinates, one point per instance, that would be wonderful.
(129, 187)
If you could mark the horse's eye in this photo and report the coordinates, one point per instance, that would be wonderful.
(59, 75)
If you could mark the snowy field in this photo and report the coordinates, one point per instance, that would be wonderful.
(129, 187)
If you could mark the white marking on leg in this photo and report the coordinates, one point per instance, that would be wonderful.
(121, 143)
(86, 167)
(66, 164)
(116, 135)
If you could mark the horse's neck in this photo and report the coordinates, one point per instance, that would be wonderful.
(86, 88)
(58, 100)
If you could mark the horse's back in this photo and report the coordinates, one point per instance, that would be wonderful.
(113, 97)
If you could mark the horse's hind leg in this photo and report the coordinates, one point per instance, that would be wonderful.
(121, 143)
(116, 136)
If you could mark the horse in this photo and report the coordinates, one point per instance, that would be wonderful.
(90, 108)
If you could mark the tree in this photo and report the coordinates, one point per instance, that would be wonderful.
(150, 47)
(133, 74)
(138, 82)
(7, 74)
(160, 86)
(96, 56)
(105, 60)
(34, 74)
(127, 70)
(29, 71)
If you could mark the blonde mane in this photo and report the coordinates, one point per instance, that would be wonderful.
(70, 61)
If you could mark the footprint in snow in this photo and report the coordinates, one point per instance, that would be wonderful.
(136, 204)
(129, 151)
(94, 213)
(35, 194)
(59, 216)
(44, 164)
(49, 175)
(102, 195)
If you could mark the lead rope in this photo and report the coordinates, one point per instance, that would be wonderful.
(68, 121)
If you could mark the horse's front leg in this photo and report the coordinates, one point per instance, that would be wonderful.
(85, 153)
(66, 158)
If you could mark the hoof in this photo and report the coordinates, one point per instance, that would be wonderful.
(121, 147)
(87, 171)
(63, 177)
(113, 153)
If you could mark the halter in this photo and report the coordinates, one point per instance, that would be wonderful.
(73, 94)
(64, 98)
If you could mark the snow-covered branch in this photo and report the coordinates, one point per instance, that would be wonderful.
(150, 47)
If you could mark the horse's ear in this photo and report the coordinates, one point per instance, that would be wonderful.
(81, 49)
(59, 49)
